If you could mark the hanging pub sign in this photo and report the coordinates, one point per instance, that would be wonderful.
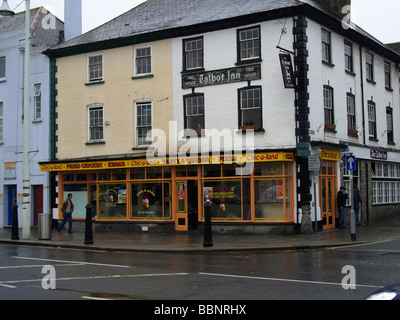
(223, 76)
(287, 70)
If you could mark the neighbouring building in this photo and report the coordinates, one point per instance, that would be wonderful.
(47, 31)
(205, 77)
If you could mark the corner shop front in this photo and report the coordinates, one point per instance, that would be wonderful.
(169, 192)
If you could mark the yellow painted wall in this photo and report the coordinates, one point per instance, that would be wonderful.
(118, 95)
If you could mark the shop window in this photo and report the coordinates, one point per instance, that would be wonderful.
(138, 173)
(69, 177)
(226, 197)
(167, 172)
(213, 170)
(270, 195)
(268, 169)
(79, 198)
(112, 201)
(151, 200)
(81, 177)
(154, 173)
(229, 170)
(112, 175)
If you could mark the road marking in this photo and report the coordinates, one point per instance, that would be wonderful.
(282, 280)
(360, 245)
(40, 266)
(115, 276)
(7, 286)
(74, 262)
(94, 298)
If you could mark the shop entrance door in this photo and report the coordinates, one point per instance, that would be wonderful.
(186, 206)
(328, 203)
(12, 195)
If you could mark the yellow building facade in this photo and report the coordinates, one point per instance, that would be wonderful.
(117, 89)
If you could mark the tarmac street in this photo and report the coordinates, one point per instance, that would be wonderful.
(299, 272)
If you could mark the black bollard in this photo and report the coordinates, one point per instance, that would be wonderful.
(88, 226)
(15, 230)
(208, 242)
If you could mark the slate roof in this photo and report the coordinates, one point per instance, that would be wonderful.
(162, 15)
(156, 15)
(46, 38)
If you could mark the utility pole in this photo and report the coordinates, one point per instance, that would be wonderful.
(26, 206)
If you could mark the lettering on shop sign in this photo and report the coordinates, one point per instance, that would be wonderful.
(223, 76)
(379, 154)
(287, 70)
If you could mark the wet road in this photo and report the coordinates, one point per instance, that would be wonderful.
(283, 275)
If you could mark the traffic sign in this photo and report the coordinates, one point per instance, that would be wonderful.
(314, 164)
(351, 163)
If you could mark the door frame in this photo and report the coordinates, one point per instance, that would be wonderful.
(333, 177)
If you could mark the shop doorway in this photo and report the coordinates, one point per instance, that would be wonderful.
(12, 195)
(187, 214)
(37, 202)
(327, 182)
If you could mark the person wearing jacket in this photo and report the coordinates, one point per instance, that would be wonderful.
(67, 209)
(341, 204)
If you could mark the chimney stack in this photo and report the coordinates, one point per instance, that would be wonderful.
(73, 19)
(336, 6)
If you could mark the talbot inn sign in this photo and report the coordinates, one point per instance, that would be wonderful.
(223, 76)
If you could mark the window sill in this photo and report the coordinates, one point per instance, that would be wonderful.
(373, 139)
(3, 80)
(94, 83)
(142, 148)
(330, 128)
(371, 81)
(327, 63)
(350, 73)
(37, 120)
(391, 143)
(352, 133)
(193, 133)
(193, 71)
(95, 143)
(244, 129)
(389, 89)
(145, 76)
(249, 61)
(1, 142)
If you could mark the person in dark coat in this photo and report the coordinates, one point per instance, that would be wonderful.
(342, 196)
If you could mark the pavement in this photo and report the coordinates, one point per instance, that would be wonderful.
(193, 242)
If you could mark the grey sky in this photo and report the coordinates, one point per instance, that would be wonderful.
(379, 18)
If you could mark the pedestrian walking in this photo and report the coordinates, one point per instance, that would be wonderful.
(342, 196)
(357, 203)
(67, 209)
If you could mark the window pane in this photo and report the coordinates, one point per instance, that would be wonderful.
(249, 41)
(2, 67)
(226, 199)
(147, 200)
(269, 195)
(112, 201)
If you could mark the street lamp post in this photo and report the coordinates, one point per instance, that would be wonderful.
(26, 207)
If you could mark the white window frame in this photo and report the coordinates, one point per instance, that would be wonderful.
(5, 73)
(95, 79)
(135, 57)
(38, 101)
(136, 104)
(326, 46)
(89, 109)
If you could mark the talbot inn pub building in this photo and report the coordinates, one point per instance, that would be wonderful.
(284, 78)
